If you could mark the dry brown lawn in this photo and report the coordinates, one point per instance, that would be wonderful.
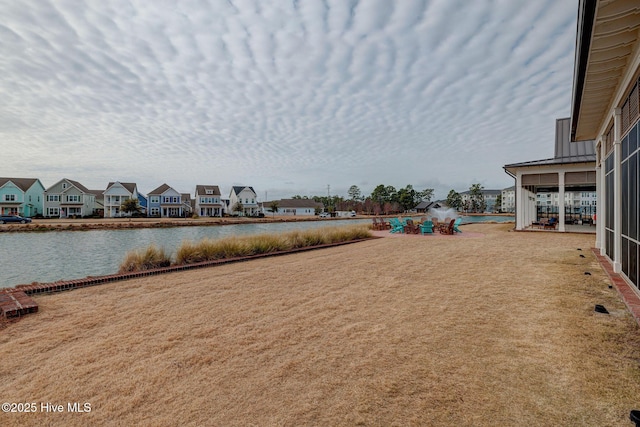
(485, 331)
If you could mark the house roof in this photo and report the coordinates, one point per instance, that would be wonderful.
(202, 189)
(129, 186)
(484, 192)
(607, 38)
(159, 190)
(185, 197)
(427, 205)
(76, 184)
(79, 186)
(295, 203)
(554, 161)
(22, 183)
(98, 193)
(237, 189)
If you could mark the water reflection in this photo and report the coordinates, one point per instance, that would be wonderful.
(51, 256)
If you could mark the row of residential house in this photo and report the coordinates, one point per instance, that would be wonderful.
(68, 198)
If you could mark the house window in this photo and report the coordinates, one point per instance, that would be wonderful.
(630, 232)
(9, 197)
(64, 185)
(73, 198)
(53, 198)
(53, 212)
(154, 199)
(209, 191)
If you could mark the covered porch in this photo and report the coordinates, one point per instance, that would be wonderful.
(560, 190)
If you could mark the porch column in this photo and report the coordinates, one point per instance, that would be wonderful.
(599, 198)
(561, 201)
(617, 191)
(520, 205)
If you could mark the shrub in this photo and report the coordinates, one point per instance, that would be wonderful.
(145, 259)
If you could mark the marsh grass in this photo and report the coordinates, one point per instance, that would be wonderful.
(231, 247)
(145, 259)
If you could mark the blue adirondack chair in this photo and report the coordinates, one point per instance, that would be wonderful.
(396, 226)
(456, 224)
(426, 227)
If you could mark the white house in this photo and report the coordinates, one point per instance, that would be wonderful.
(208, 200)
(293, 207)
(115, 194)
(67, 198)
(246, 197)
(605, 108)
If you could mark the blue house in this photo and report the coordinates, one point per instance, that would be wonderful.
(165, 202)
(21, 196)
(142, 201)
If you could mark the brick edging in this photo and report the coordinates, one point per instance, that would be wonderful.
(626, 292)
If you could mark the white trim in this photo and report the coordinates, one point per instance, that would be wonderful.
(617, 191)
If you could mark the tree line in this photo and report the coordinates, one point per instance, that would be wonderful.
(383, 200)
(474, 203)
(386, 199)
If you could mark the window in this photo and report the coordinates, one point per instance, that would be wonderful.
(73, 198)
(9, 197)
(53, 212)
(154, 199)
(53, 198)
(209, 191)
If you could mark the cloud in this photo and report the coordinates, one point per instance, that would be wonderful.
(282, 94)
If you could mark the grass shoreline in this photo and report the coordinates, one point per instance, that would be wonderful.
(191, 252)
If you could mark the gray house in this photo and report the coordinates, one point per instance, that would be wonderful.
(67, 198)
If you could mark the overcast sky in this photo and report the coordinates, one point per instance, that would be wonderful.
(286, 96)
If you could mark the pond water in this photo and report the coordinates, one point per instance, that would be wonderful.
(65, 255)
(487, 218)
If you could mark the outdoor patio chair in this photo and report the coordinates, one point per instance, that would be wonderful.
(396, 226)
(551, 224)
(457, 222)
(447, 228)
(410, 227)
(426, 227)
(383, 224)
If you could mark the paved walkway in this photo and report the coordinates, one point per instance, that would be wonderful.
(629, 296)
